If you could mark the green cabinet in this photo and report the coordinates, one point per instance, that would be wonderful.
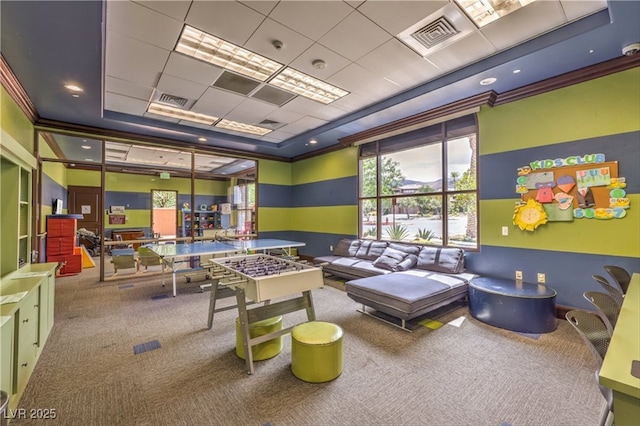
(26, 324)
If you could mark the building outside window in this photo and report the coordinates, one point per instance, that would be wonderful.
(420, 186)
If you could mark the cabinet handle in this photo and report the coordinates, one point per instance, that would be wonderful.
(25, 364)
(27, 320)
(36, 306)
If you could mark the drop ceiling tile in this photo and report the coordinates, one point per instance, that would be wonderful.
(217, 102)
(310, 18)
(231, 21)
(334, 62)
(272, 95)
(353, 102)
(174, 9)
(328, 113)
(354, 37)
(284, 116)
(304, 124)
(397, 16)
(179, 87)
(303, 105)
(398, 62)
(123, 51)
(136, 21)
(264, 7)
(250, 111)
(577, 9)
(532, 20)
(124, 104)
(464, 51)
(261, 42)
(191, 69)
(127, 88)
(357, 79)
(194, 124)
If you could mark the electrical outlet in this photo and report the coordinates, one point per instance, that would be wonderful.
(541, 278)
(505, 230)
(330, 248)
(518, 275)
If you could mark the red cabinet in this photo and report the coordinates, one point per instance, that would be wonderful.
(61, 243)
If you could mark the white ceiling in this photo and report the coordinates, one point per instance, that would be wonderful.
(358, 40)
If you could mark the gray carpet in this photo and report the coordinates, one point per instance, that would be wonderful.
(184, 374)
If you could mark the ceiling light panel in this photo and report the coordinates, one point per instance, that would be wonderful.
(307, 86)
(483, 12)
(169, 111)
(214, 50)
(241, 127)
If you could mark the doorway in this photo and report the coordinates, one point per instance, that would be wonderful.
(164, 215)
(85, 200)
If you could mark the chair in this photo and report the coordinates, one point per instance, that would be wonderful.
(620, 276)
(614, 292)
(606, 307)
(123, 259)
(595, 334)
(148, 257)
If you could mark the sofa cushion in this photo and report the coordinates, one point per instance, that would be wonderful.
(342, 248)
(409, 262)
(390, 259)
(407, 248)
(371, 250)
(447, 260)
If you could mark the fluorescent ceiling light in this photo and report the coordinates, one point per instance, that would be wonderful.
(208, 48)
(483, 12)
(169, 111)
(307, 86)
(241, 127)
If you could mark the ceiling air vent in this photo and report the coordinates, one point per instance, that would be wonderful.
(435, 33)
(270, 124)
(172, 100)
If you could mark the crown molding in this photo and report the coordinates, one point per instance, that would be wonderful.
(16, 91)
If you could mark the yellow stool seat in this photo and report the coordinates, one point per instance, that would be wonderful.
(316, 351)
(264, 350)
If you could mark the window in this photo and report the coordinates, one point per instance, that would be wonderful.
(420, 186)
(244, 197)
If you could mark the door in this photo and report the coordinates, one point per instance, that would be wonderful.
(164, 218)
(85, 200)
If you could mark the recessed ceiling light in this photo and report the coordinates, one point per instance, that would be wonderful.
(488, 81)
(307, 86)
(73, 88)
(169, 111)
(88, 159)
(86, 147)
(202, 139)
(591, 51)
(214, 50)
(75, 95)
(484, 12)
(241, 127)
(516, 71)
(313, 141)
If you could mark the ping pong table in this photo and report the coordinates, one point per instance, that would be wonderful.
(173, 254)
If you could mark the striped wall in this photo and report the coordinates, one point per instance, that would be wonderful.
(315, 200)
(598, 116)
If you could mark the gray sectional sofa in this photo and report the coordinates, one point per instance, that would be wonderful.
(404, 281)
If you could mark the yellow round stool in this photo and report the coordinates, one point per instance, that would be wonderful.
(264, 350)
(316, 351)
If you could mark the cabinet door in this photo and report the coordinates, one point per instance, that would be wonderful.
(6, 356)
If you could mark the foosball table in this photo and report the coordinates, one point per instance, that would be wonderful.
(261, 278)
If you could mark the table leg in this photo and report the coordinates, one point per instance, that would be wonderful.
(212, 302)
(244, 327)
(311, 313)
(173, 276)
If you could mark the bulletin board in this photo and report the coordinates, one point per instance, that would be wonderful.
(565, 191)
(601, 194)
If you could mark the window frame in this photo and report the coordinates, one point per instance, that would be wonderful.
(373, 150)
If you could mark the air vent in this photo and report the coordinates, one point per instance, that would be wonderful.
(435, 33)
(236, 83)
(273, 95)
(172, 100)
(270, 124)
